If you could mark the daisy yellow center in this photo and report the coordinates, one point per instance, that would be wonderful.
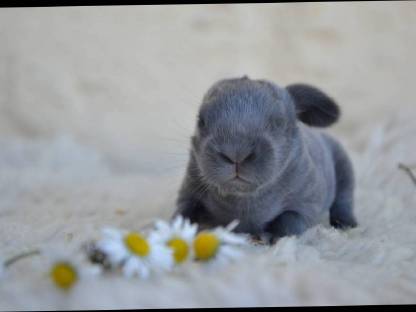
(180, 249)
(63, 275)
(206, 245)
(137, 244)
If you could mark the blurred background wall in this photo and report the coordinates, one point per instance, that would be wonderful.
(128, 79)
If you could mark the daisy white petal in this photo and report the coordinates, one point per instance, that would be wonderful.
(231, 252)
(114, 251)
(177, 236)
(134, 253)
(233, 224)
(111, 233)
(231, 238)
(66, 268)
(161, 225)
(219, 245)
(189, 231)
(134, 266)
(161, 257)
(144, 272)
(177, 223)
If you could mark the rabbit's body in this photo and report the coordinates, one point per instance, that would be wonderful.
(292, 174)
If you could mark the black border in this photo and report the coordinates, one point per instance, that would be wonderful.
(46, 3)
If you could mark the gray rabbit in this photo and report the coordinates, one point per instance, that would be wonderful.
(255, 158)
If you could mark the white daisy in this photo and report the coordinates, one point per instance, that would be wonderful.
(219, 245)
(65, 268)
(177, 235)
(134, 253)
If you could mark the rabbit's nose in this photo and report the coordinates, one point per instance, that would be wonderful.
(227, 158)
(237, 158)
(230, 160)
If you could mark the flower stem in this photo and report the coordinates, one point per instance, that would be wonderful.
(408, 171)
(21, 256)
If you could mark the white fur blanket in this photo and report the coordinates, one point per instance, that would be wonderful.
(59, 193)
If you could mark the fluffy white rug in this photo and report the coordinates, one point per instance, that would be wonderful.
(59, 193)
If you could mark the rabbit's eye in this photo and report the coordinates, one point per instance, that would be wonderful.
(250, 157)
(275, 123)
(201, 122)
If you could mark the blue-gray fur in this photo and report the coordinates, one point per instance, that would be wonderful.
(289, 174)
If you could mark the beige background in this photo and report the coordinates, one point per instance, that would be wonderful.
(96, 108)
(128, 79)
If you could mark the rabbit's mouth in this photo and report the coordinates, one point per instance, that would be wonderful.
(239, 179)
(238, 186)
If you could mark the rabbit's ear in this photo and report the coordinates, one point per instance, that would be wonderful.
(313, 107)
